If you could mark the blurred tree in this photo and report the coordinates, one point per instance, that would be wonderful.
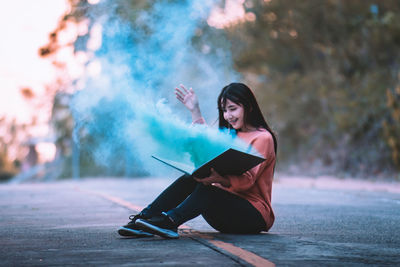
(11, 153)
(391, 126)
(321, 69)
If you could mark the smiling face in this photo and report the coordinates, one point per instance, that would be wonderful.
(234, 115)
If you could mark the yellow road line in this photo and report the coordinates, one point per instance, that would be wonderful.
(243, 254)
(116, 200)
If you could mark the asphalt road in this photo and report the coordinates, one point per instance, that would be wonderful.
(75, 223)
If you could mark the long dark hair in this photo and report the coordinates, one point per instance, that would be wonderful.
(240, 94)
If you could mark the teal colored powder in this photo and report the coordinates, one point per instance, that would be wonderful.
(118, 114)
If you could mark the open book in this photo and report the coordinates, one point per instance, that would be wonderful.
(230, 162)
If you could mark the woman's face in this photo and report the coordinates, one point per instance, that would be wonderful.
(234, 114)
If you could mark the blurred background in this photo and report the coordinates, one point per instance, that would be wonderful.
(326, 74)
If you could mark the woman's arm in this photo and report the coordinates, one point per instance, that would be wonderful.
(191, 102)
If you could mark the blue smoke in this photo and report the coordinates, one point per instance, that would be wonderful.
(129, 111)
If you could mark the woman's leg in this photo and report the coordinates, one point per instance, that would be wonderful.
(172, 196)
(223, 210)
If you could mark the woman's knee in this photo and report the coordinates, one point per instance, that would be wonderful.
(185, 179)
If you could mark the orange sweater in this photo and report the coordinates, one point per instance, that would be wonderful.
(255, 185)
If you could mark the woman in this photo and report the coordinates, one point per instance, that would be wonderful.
(230, 204)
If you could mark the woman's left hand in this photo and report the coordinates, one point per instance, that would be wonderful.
(214, 178)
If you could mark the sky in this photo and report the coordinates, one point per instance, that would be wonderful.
(24, 28)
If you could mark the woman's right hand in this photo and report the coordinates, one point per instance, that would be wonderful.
(214, 178)
(187, 97)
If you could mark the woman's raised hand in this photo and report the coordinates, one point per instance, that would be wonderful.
(187, 97)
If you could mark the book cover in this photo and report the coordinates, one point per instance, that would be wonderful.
(230, 162)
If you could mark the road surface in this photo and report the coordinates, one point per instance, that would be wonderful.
(74, 222)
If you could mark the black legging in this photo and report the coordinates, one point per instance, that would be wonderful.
(186, 199)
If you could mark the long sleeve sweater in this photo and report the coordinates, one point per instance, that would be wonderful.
(255, 185)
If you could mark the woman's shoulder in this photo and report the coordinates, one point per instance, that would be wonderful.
(262, 141)
(260, 133)
(263, 136)
(260, 136)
